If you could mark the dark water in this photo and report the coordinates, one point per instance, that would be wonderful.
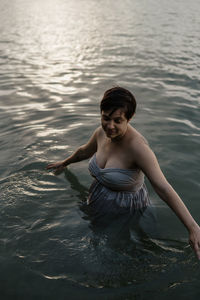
(56, 59)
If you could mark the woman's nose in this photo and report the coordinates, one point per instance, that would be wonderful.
(110, 124)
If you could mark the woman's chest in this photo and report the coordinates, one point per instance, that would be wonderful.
(114, 156)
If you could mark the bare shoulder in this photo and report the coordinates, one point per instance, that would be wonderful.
(96, 133)
(100, 134)
(143, 155)
(93, 139)
(99, 130)
(137, 141)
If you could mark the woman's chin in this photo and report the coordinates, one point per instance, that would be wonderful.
(111, 134)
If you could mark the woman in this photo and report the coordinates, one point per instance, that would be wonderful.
(120, 158)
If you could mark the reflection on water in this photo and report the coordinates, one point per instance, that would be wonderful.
(56, 60)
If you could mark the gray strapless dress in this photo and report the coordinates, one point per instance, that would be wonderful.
(116, 187)
(119, 197)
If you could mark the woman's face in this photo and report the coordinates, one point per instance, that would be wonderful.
(114, 123)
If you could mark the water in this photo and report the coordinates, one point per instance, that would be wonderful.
(57, 58)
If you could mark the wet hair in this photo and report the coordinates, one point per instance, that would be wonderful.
(118, 97)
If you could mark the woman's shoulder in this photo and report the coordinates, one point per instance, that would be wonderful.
(138, 144)
(136, 138)
(97, 131)
(100, 132)
(139, 149)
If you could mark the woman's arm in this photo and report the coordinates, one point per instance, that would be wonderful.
(83, 152)
(147, 161)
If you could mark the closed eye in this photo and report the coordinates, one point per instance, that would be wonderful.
(118, 120)
(106, 118)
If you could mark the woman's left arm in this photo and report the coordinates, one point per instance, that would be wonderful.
(146, 160)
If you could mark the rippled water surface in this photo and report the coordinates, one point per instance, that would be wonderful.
(56, 59)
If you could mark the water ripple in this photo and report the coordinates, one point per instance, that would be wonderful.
(186, 122)
(56, 61)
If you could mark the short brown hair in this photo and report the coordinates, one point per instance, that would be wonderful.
(118, 97)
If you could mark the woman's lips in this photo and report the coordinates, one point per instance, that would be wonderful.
(109, 132)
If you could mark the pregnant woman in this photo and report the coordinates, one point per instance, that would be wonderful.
(120, 156)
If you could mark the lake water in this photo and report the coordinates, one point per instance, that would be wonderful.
(57, 57)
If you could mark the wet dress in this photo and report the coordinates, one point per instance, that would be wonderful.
(118, 192)
(117, 188)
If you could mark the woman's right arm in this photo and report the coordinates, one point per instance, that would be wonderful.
(83, 152)
(147, 161)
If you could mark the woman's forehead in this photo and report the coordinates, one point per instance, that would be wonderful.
(114, 112)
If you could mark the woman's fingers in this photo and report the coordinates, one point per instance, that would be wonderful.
(196, 246)
(57, 168)
(50, 166)
(54, 165)
(197, 249)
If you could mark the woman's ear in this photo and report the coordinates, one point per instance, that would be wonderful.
(131, 118)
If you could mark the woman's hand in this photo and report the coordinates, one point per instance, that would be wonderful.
(194, 240)
(57, 167)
